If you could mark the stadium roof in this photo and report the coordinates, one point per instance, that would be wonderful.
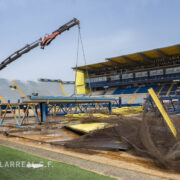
(135, 59)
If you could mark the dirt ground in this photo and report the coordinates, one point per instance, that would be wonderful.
(126, 164)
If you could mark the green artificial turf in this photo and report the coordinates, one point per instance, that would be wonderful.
(11, 171)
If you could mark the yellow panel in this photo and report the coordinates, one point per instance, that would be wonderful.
(81, 89)
(163, 112)
(118, 59)
(88, 127)
(107, 63)
(152, 54)
(128, 110)
(80, 78)
(80, 82)
(135, 57)
(94, 65)
(85, 115)
(173, 50)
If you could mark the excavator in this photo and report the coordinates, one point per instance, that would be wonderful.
(40, 42)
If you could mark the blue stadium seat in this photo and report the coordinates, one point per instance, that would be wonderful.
(144, 89)
(119, 91)
(165, 90)
(173, 90)
(130, 90)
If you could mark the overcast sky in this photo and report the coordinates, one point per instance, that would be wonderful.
(109, 28)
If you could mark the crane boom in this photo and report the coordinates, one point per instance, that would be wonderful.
(40, 42)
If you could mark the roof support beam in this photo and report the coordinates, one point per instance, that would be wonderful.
(104, 65)
(178, 48)
(145, 58)
(160, 53)
(129, 60)
(114, 63)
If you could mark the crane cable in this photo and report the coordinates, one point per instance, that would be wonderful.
(84, 58)
(77, 58)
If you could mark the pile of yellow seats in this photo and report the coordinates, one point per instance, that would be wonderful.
(85, 115)
(88, 127)
(128, 110)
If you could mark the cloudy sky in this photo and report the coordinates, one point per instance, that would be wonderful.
(109, 28)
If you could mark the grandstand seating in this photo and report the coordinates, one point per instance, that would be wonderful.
(54, 89)
(130, 90)
(97, 93)
(165, 90)
(69, 89)
(173, 90)
(144, 89)
(119, 91)
(42, 88)
(110, 91)
(7, 94)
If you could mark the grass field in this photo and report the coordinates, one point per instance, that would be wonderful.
(13, 166)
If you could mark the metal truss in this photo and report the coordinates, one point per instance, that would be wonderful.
(170, 103)
(20, 114)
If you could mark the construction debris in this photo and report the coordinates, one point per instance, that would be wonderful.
(149, 138)
(128, 110)
(89, 127)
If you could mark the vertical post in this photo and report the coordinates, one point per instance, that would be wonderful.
(43, 112)
(0, 112)
(110, 108)
(19, 111)
(120, 102)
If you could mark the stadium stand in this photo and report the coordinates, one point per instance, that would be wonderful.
(130, 90)
(7, 94)
(173, 90)
(42, 88)
(69, 89)
(119, 91)
(131, 75)
(110, 91)
(13, 91)
(97, 93)
(165, 89)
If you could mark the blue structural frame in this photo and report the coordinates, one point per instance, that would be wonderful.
(170, 103)
(54, 106)
(46, 103)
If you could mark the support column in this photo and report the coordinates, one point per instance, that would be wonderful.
(120, 102)
(110, 108)
(43, 111)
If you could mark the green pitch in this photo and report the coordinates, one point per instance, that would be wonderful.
(18, 165)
